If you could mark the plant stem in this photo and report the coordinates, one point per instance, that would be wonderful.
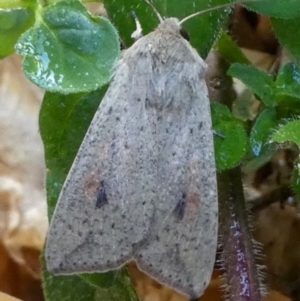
(242, 280)
(238, 262)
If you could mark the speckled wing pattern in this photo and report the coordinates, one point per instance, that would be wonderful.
(143, 185)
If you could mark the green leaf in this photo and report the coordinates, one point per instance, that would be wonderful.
(288, 86)
(245, 106)
(288, 133)
(296, 182)
(287, 9)
(258, 81)
(230, 150)
(105, 280)
(287, 32)
(67, 288)
(203, 30)
(75, 287)
(68, 50)
(12, 24)
(64, 121)
(121, 289)
(262, 129)
(17, 4)
(112, 286)
(230, 51)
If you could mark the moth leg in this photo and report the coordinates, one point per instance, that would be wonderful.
(218, 134)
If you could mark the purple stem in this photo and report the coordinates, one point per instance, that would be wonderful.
(238, 260)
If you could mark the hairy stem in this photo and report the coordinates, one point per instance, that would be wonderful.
(238, 262)
(242, 280)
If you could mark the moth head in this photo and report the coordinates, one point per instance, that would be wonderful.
(173, 25)
(169, 24)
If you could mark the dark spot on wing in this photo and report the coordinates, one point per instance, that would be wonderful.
(180, 207)
(101, 197)
(113, 145)
(147, 103)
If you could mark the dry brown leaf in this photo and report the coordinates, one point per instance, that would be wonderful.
(23, 220)
(22, 168)
(5, 297)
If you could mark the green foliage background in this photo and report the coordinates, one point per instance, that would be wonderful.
(72, 54)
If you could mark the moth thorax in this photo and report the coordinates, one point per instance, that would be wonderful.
(170, 24)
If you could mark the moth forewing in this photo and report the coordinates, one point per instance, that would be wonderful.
(143, 184)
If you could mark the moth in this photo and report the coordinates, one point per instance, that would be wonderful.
(143, 185)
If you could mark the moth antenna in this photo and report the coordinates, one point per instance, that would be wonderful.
(155, 11)
(138, 33)
(213, 8)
